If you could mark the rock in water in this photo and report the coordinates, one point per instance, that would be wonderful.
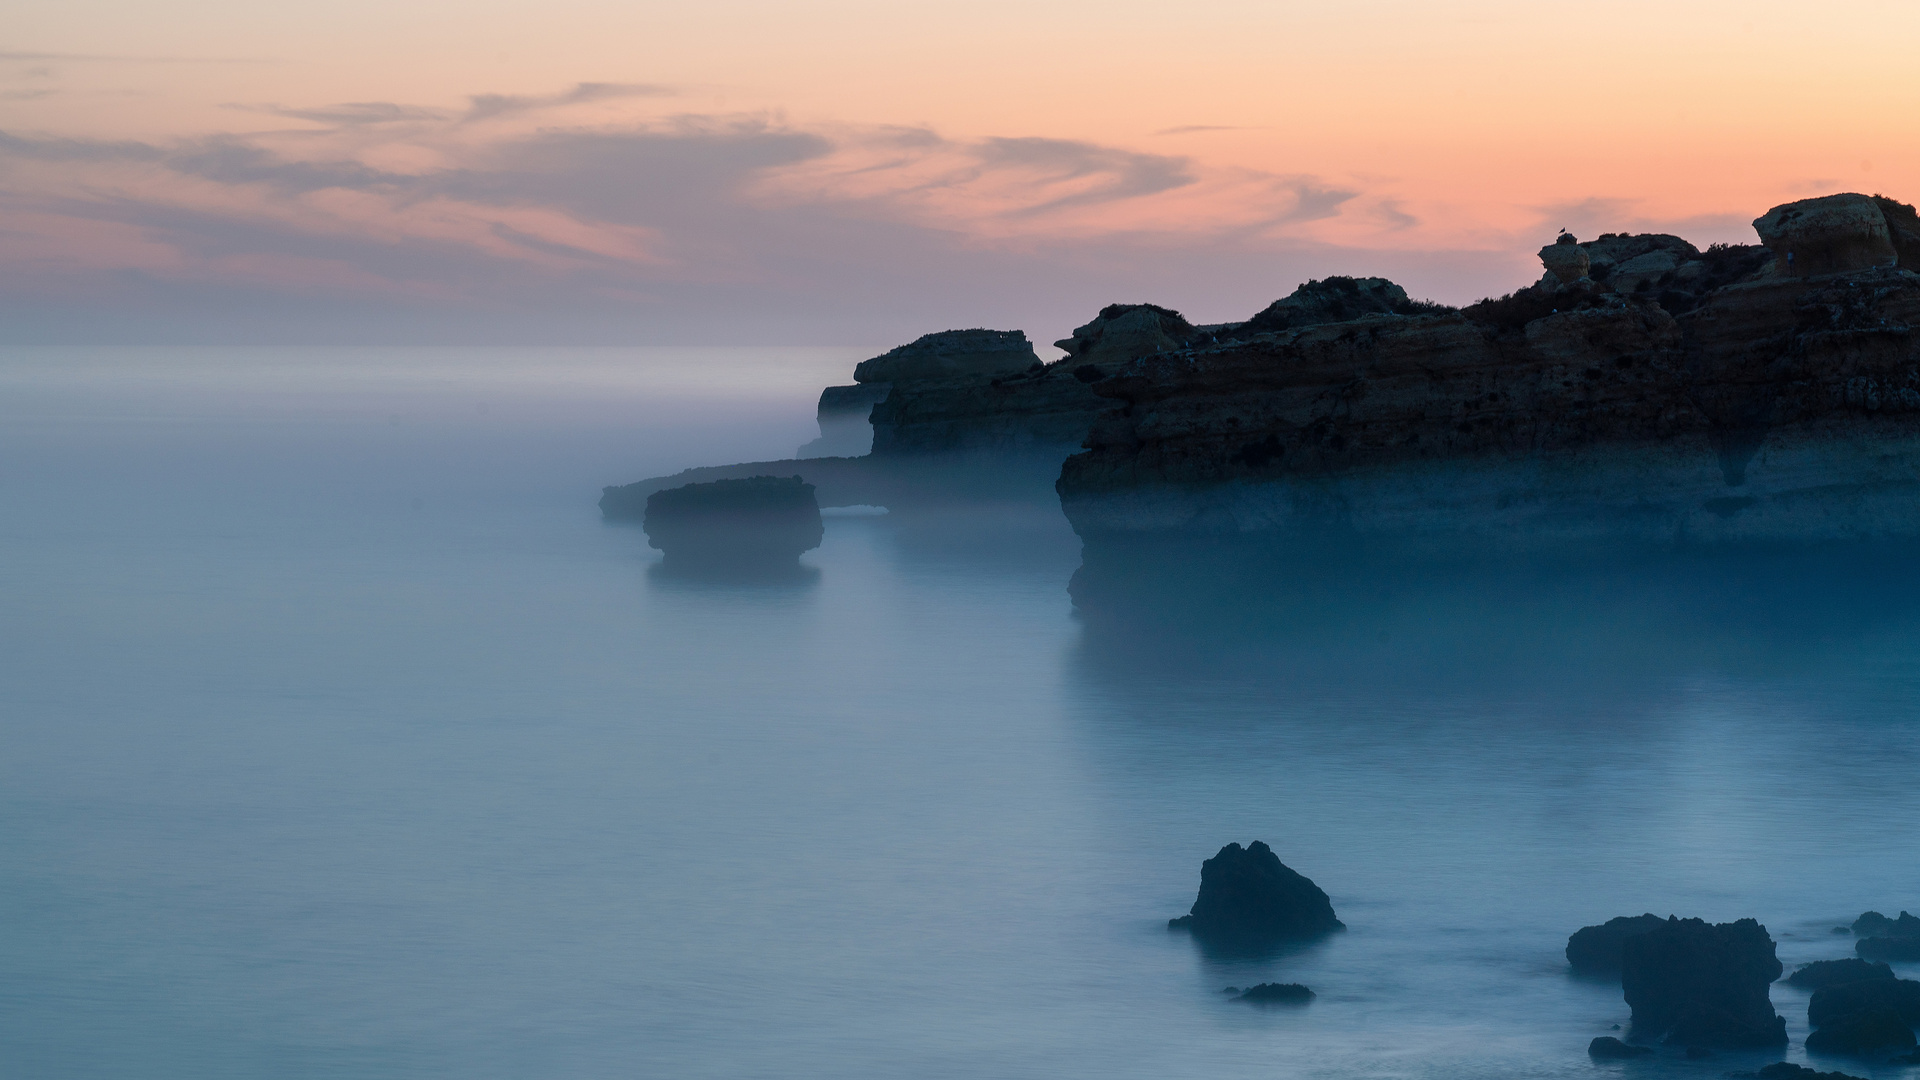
(1608, 1048)
(1290, 993)
(1877, 1031)
(950, 354)
(1787, 1070)
(1692, 983)
(1887, 939)
(1833, 1004)
(1247, 895)
(1595, 950)
(758, 521)
(1824, 973)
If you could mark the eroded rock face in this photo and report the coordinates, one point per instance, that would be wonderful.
(1248, 896)
(755, 520)
(1827, 235)
(1122, 332)
(843, 417)
(950, 354)
(1774, 408)
(1692, 983)
(1595, 950)
(1566, 260)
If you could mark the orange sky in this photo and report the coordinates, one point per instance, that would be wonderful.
(342, 153)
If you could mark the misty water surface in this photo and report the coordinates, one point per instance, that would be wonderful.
(343, 739)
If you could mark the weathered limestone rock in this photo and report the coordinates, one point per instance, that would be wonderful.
(1829, 234)
(751, 521)
(1122, 332)
(1595, 950)
(1692, 983)
(1247, 895)
(950, 354)
(843, 417)
(1566, 260)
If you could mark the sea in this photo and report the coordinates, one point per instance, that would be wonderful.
(341, 737)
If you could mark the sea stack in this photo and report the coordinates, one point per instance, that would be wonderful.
(760, 521)
(1249, 897)
(1693, 983)
(1595, 950)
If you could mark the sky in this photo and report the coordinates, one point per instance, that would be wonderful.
(855, 171)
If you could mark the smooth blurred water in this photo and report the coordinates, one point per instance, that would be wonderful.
(340, 738)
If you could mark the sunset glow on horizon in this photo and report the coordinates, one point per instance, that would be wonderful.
(846, 171)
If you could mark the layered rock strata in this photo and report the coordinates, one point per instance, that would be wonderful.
(1718, 398)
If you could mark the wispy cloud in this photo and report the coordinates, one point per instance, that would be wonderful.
(488, 106)
(354, 113)
(96, 58)
(1195, 129)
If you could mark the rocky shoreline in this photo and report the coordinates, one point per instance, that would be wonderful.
(1644, 391)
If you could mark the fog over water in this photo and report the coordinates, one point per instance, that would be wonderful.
(343, 738)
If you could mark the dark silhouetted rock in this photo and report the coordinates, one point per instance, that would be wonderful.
(1872, 924)
(1878, 1031)
(1693, 983)
(1835, 1003)
(1824, 973)
(1608, 1048)
(754, 521)
(842, 415)
(1248, 895)
(1787, 1070)
(1888, 948)
(950, 354)
(1595, 950)
(1122, 332)
(1333, 300)
(1285, 993)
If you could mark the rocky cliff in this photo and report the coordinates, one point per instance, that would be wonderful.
(1644, 389)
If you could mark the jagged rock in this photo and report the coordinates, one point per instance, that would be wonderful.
(1566, 260)
(1287, 993)
(1333, 300)
(751, 521)
(1692, 983)
(1878, 1031)
(1608, 1048)
(1122, 332)
(1874, 924)
(1828, 234)
(1832, 1004)
(1248, 895)
(1595, 950)
(1824, 973)
(950, 354)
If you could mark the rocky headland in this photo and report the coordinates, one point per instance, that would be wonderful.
(1642, 390)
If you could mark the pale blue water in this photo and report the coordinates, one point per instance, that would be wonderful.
(340, 738)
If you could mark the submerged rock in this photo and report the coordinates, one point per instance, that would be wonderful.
(753, 521)
(1876, 1031)
(1608, 1048)
(1247, 895)
(950, 354)
(1824, 973)
(1288, 993)
(1787, 1070)
(1595, 950)
(1693, 983)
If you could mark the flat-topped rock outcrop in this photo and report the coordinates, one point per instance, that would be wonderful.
(752, 521)
(1644, 390)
